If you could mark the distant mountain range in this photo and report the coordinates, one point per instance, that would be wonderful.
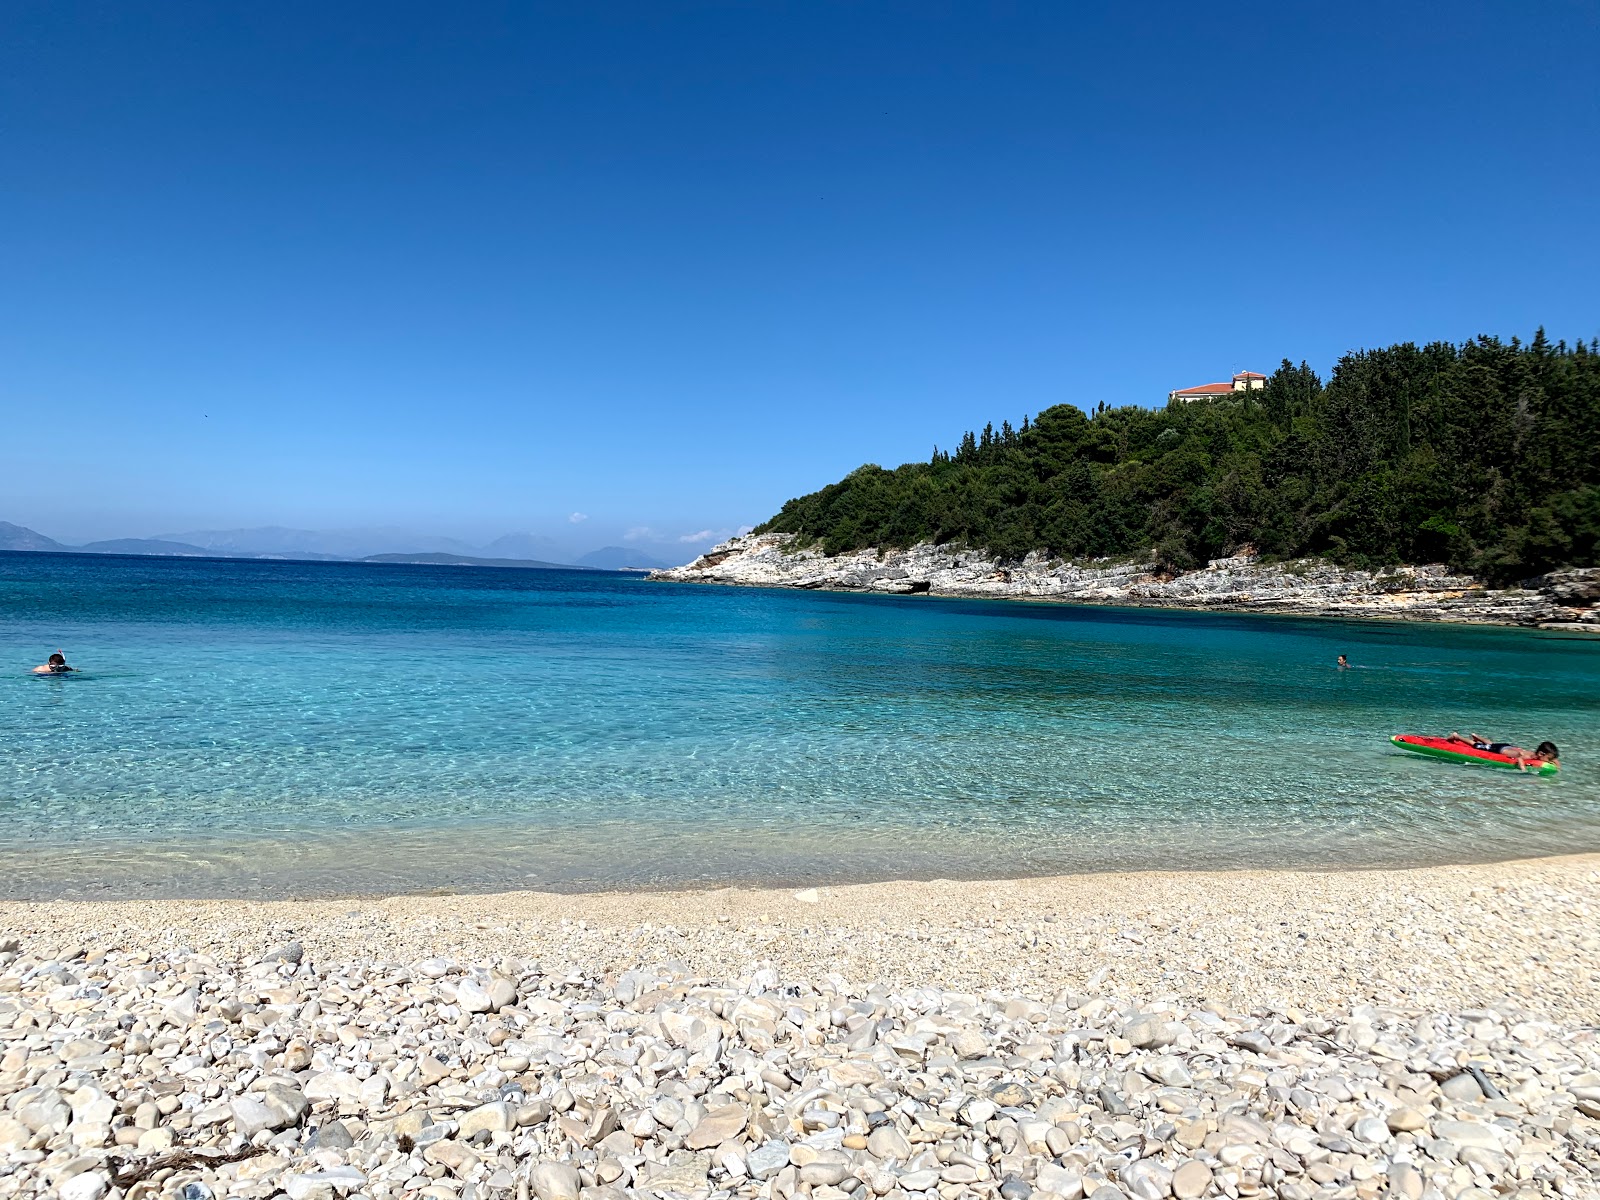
(468, 560)
(16, 537)
(142, 546)
(619, 558)
(374, 545)
(276, 541)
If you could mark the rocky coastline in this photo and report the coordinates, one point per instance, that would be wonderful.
(1423, 1034)
(1562, 599)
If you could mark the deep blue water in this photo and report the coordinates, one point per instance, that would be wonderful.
(282, 728)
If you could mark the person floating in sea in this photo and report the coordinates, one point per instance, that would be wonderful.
(1544, 753)
(1343, 664)
(55, 665)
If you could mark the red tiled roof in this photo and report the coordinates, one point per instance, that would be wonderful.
(1248, 375)
(1205, 389)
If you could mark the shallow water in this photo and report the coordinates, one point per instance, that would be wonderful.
(256, 728)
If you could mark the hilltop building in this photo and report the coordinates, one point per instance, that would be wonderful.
(1244, 381)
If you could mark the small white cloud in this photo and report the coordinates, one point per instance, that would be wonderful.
(705, 535)
(577, 518)
(640, 533)
(744, 529)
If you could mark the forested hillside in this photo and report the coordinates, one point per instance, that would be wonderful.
(1484, 455)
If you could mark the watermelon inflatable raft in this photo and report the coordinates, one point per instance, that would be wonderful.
(1437, 747)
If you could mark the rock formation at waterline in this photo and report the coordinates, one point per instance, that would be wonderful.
(1308, 587)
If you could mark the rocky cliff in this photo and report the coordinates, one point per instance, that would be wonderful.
(1568, 598)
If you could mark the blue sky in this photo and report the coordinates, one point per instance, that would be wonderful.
(475, 268)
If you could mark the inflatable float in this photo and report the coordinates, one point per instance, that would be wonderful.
(1458, 751)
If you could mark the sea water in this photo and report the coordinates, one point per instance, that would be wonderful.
(274, 728)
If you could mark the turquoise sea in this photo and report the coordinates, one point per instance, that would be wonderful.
(269, 728)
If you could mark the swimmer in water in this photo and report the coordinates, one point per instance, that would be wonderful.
(56, 665)
(1343, 664)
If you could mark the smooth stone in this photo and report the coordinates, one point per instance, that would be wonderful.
(1468, 1133)
(334, 1136)
(473, 997)
(769, 1158)
(431, 1070)
(333, 1085)
(290, 1103)
(1150, 1032)
(978, 1113)
(1191, 1180)
(969, 1044)
(1111, 1102)
(289, 952)
(1059, 1180)
(825, 1171)
(717, 1126)
(1147, 1180)
(410, 1124)
(154, 1142)
(1014, 1187)
(89, 1185)
(502, 993)
(535, 1112)
(429, 1135)
(887, 1142)
(1462, 1088)
(685, 1171)
(555, 1181)
(1252, 1040)
(1406, 1182)
(1168, 1071)
(457, 1157)
(1010, 1095)
(14, 1135)
(1374, 1130)
(75, 1166)
(496, 1118)
(336, 1180)
(251, 1116)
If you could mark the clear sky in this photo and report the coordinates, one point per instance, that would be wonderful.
(475, 267)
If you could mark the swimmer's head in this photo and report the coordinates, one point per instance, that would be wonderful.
(1547, 750)
(58, 659)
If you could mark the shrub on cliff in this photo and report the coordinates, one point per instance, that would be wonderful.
(1485, 455)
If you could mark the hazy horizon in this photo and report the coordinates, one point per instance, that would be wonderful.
(355, 543)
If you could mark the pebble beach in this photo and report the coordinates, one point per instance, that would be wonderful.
(1424, 1033)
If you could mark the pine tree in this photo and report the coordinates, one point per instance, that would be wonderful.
(1480, 454)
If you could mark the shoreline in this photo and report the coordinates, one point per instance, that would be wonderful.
(232, 886)
(1140, 604)
(1568, 599)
